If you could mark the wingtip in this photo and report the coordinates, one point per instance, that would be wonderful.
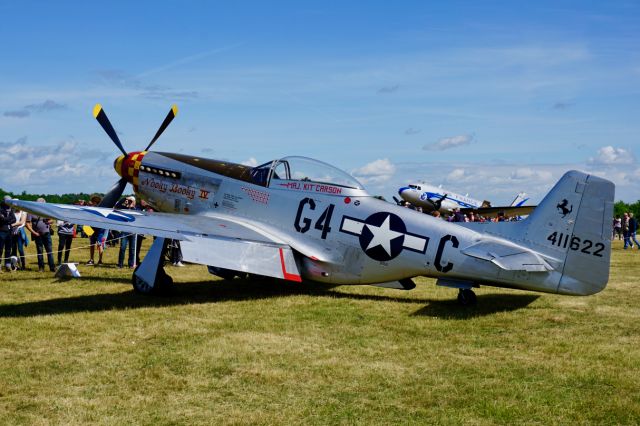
(174, 108)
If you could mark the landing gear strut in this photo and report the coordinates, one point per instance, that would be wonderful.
(149, 277)
(466, 297)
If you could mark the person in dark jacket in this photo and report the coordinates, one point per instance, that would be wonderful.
(40, 229)
(7, 217)
(633, 229)
(127, 239)
(65, 238)
(626, 231)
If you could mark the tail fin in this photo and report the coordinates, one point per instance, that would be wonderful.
(572, 225)
(520, 199)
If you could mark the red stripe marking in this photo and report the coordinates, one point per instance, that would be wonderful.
(288, 276)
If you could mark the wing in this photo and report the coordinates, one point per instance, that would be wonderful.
(207, 240)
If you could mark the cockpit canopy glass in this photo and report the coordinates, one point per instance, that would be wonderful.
(303, 169)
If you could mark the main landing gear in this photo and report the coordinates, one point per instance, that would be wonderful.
(467, 297)
(149, 277)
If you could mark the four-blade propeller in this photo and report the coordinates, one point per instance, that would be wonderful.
(111, 198)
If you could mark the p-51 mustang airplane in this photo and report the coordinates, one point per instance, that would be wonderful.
(432, 198)
(296, 218)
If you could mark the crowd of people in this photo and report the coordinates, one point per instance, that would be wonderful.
(457, 216)
(625, 228)
(18, 229)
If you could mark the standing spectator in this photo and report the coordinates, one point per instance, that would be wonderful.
(633, 228)
(7, 218)
(626, 232)
(20, 240)
(458, 216)
(145, 207)
(40, 229)
(98, 239)
(175, 252)
(127, 239)
(617, 227)
(97, 242)
(65, 238)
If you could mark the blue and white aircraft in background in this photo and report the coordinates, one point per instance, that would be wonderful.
(432, 198)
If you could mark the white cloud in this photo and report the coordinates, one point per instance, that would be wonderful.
(529, 174)
(60, 168)
(610, 156)
(251, 162)
(376, 172)
(26, 111)
(448, 143)
(456, 174)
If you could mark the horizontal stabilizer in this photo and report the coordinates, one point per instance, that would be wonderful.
(507, 257)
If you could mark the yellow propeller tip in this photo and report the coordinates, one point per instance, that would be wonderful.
(96, 110)
(174, 108)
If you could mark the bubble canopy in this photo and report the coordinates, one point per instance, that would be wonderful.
(303, 169)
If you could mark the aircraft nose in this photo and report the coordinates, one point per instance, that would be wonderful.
(401, 190)
(128, 166)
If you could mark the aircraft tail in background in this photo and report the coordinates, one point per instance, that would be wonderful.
(520, 199)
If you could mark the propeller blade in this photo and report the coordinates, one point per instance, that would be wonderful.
(438, 204)
(398, 202)
(100, 115)
(172, 114)
(111, 198)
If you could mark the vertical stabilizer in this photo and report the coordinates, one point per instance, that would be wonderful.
(572, 225)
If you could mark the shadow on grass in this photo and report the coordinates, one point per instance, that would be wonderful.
(110, 280)
(243, 290)
(488, 304)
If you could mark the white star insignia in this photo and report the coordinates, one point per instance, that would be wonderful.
(382, 236)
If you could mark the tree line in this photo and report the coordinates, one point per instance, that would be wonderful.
(51, 198)
(620, 207)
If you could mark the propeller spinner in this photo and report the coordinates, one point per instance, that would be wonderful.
(126, 165)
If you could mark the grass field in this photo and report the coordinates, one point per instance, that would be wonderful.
(271, 352)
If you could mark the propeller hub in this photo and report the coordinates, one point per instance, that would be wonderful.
(128, 167)
(117, 165)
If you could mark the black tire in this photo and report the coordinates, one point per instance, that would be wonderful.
(467, 297)
(225, 274)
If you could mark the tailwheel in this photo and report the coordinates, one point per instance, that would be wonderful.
(467, 297)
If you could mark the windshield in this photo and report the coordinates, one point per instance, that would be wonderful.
(306, 170)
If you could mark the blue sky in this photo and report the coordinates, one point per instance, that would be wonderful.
(485, 98)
